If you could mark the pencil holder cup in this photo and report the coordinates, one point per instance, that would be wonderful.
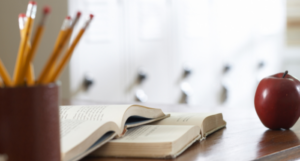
(29, 123)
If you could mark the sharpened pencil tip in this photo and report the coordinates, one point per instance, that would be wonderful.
(46, 10)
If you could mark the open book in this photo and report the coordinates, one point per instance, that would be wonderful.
(85, 128)
(166, 138)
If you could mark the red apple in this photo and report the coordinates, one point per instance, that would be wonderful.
(277, 101)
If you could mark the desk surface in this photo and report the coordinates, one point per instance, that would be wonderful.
(244, 138)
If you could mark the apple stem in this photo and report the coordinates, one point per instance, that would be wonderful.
(285, 73)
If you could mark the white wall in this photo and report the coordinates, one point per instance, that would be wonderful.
(161, 37)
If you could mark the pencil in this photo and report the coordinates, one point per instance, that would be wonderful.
(19, 57)
(27, 70)
(22, 21)
(30, 13)
(66, 25)
(69, 52)
(5, 76)
(30, 73)
(55, 54)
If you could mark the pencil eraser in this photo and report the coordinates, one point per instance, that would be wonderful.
(46, 9)
(78, 14)
(91, 16)
(68, 17)
(22, 15)
(32, 2)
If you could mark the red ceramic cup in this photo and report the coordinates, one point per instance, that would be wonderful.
(29, 123)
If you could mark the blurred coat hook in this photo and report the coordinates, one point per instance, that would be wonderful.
(186, 90)
(187, 70)
(224, 90)
(185, 86)
(142, 76)
(140, 95)
(88, 81)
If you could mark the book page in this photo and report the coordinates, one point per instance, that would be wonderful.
(116, 113)
(78, 135)
(150, 133)
(212, 120)
(151, 141)
(94, 112)
(184, 119)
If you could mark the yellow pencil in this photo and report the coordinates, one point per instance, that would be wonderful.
(30, 73)
(55, 54)
(69, 52)
(69, 31)
(55, 64)
(61, 34)
(22, 21)
(31, 11)
(27, 70)
(19, 57)
(5, 76)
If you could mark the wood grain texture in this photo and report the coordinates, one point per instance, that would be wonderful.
(244, 138)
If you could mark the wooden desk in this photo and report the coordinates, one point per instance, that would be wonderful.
(244, 138)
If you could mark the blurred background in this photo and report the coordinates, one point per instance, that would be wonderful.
(197, 52)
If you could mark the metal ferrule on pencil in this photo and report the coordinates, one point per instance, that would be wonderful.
(31, 10)
(66, 24)
(21, 23)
